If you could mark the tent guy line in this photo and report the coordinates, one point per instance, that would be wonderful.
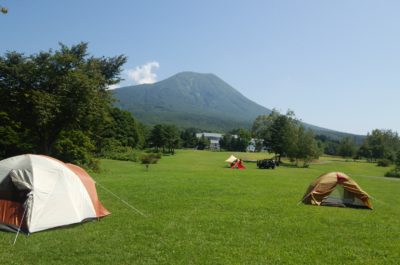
(122, 200)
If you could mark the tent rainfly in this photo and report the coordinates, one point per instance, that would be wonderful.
(238, 165)
(231, 159)
(336, 189)
(39, 192)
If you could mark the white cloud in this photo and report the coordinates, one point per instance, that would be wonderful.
(144, 74)
(111, 87)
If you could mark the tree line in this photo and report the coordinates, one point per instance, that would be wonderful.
(285, 136)
(58, 103)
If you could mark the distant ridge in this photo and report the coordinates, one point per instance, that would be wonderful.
(196, 100)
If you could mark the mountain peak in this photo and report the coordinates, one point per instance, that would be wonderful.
(205, 79)
(190, 74)
(190, 99)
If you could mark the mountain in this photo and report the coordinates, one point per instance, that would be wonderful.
(196, 100)
(190, 100)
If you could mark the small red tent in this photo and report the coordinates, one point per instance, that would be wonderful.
(238, 165)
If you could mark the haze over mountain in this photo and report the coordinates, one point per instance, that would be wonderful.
(196, 100)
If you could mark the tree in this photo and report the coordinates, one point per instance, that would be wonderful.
(157, 137)
(74, 146)
(126, 129)
(164, 136)
(236, 140)
(397, 161)
(4, 10)
(171, 138)
(13, 138)
(395, 173)
(203, 143)
(347, 147)
(226, 142)
(284, 135)
(261, 125)
(188, 137)
(307, 148)
(380, 144)
(242, 140)
(327, 144)
(51, 93)
(121, 133)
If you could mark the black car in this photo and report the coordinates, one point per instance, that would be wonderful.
(266, 163)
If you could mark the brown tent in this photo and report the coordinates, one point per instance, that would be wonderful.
(336, 189)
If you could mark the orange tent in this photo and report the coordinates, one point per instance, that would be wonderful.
(336, 189)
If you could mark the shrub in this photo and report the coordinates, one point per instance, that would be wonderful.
(384, 163)
(123, 154)
(128, 155)
(395, 173)
(155, 153)
(150, 159)
(113, 149)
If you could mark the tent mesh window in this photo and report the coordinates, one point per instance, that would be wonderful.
(343, 198)
(335, 198)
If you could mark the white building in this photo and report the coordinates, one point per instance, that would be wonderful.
(252, 146)
(213, 138)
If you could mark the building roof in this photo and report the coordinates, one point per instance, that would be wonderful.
(216, 135)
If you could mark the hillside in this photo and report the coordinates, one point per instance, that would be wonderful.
(196, 100)
(190, 100)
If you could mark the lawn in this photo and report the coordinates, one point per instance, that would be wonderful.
(198, 211)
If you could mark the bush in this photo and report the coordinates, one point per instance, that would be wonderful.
(155, 153)
(384, 163)
(113, 149)
(150, 159)
(395, 173)
(74, 147)
(128, 155)
(123, 154)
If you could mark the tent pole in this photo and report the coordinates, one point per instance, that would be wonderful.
(20, 225)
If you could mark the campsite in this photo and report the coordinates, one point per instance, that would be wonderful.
(199, 211)
(199, 132)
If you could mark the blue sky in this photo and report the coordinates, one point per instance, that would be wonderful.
(336, 64)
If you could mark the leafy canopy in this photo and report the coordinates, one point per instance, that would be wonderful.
(52, 94)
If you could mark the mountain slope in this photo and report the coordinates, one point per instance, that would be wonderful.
(196, 100)
(190, 100)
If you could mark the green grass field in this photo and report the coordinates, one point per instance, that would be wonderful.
(198, 211)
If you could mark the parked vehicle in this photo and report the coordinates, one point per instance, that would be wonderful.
(266, 164)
